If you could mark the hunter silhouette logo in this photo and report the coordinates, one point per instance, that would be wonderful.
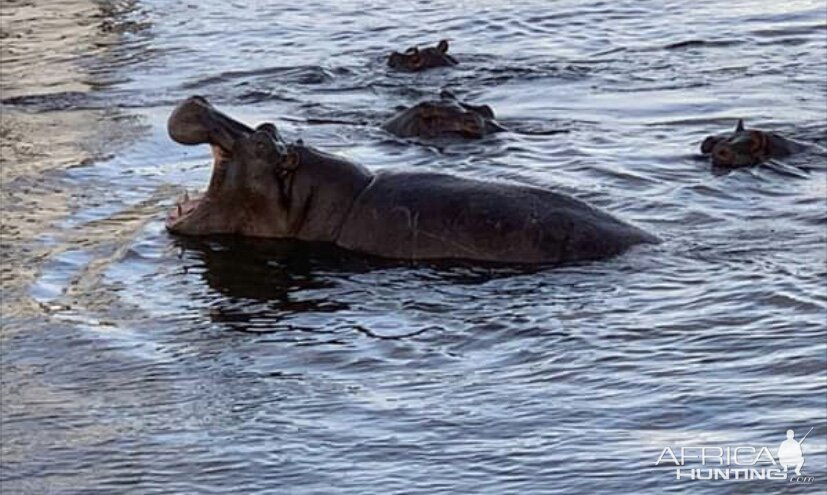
(790, 453)
(738, 462)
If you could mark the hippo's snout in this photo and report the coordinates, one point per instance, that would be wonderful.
(708, 144)
(186, 124)
(196, 121)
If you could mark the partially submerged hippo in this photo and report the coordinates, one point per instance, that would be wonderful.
(745, 147)
(262, 186)
(415, 60)
(444, 117)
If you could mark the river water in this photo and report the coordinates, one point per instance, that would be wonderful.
(137, 362)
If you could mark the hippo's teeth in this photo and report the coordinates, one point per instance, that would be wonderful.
(178, 206)
(186, 196)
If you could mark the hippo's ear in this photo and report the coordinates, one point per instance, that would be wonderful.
(739, 127)
(447, 94)
(442, 46)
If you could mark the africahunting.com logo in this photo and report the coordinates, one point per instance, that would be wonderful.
(739, 463)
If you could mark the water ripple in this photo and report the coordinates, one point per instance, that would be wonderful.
(136, 362)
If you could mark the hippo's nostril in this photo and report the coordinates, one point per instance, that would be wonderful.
(267, 132)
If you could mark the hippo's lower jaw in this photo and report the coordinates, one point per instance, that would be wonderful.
(192, 215)
(187, 206)
(183, 208)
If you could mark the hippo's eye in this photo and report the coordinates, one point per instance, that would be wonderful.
(268, 128)
(757, 141)
(261, 147)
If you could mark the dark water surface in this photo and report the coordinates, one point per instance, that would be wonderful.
(135, 362)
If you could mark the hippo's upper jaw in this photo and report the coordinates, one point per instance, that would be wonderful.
(745, 147)
(415, 60)
(444, 117)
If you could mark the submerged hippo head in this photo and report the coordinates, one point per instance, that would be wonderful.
(260, 185)
(444, 117)
(415, 60)
(744, 147)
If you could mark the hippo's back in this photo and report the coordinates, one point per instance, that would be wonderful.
(417, 216)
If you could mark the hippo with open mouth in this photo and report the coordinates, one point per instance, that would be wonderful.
(262, 186)
(745, 147)
(447, 116)
(414, 60)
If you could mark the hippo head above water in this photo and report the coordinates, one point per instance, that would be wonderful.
(744, 147)
(415, 60)
(255, 189)
(444, 117)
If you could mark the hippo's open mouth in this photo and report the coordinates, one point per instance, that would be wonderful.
(183, 208)
(188, 205)
(195, 121)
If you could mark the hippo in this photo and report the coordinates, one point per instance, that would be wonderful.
(745, 147)
(263, 186)
(415, 60)
(447, 116)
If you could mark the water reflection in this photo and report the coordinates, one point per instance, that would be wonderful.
(56, 57)
(66, 48)
(262, 280)
(261, 284)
